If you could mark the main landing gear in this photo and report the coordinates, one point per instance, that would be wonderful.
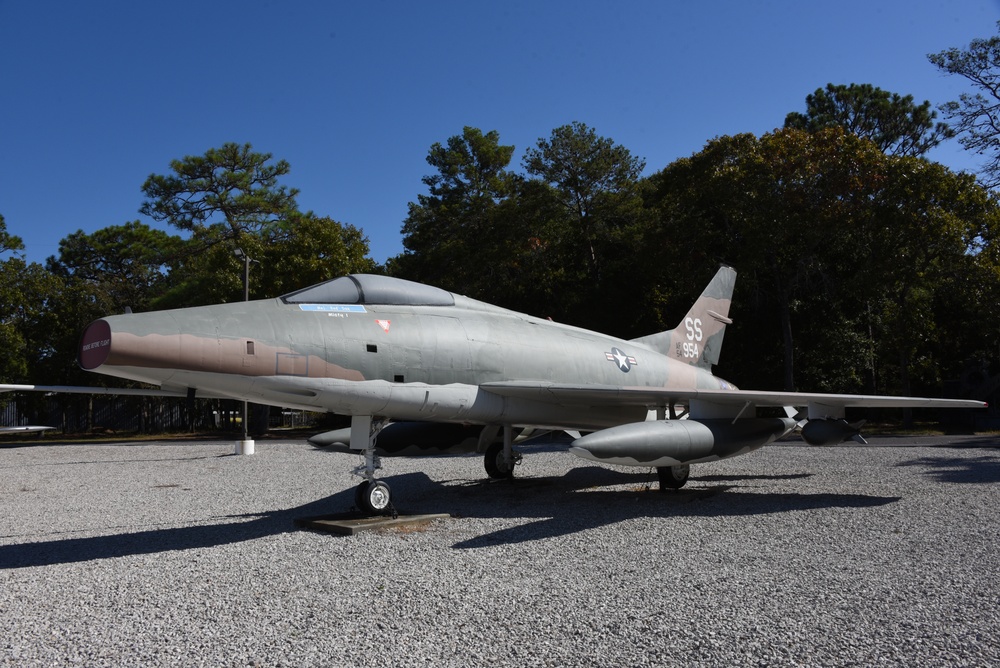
(500, 458)
(673, 477)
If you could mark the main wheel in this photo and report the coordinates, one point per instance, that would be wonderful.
(372, 497)
(673, 477)
(495, 464)
(359, 494)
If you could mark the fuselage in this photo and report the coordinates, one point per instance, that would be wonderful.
(410, 361)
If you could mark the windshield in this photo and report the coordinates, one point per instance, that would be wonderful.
(371, 289)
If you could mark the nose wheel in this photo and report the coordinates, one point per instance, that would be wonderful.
(373, 497)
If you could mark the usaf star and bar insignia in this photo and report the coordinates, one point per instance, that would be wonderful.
(624, 362)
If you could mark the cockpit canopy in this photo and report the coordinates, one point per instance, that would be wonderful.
(371, 289)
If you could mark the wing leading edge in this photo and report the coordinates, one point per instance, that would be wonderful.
(117, 391)
(819, 405)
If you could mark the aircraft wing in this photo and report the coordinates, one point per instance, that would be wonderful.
(24, 429)
(651, 397)
(117, 391)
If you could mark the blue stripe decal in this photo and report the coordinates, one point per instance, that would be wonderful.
(334, 308)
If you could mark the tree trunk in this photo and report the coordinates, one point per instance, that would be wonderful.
(788, 344)
(904, 384)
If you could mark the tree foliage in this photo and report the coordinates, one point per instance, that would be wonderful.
(126, 264)
(597, 183)
(463, 210)
(230, 198)
(844, 248)
(785, 209)
(936, 230)
(13, 363)
(8, 242)
(977, 115)
(221, 195)
(551, 244)
(896, 125)
(296, 252)
(308, 249)
(26, 292)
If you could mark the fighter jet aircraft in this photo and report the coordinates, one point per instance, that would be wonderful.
(423, 371)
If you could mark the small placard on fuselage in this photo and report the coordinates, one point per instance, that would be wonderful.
(334, 308)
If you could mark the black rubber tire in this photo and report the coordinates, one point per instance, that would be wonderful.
(377, 498)
(673, 477)
(494, 463)
(359, 494)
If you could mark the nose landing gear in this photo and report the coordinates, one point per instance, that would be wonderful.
(372, 497)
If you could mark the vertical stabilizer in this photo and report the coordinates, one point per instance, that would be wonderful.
(697, 340)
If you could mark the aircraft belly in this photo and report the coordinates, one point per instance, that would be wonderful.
(453, 402)
(458, 402)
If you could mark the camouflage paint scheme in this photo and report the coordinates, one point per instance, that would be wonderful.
(378, 348)
(403, 361)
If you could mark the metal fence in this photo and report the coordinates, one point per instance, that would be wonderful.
(76, 413)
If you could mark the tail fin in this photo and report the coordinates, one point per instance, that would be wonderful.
(697, 340)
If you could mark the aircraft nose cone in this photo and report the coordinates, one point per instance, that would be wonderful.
(136, 341)
(95, 345)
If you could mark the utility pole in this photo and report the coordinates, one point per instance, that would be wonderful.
(246, 445)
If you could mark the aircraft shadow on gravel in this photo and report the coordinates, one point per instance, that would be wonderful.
(582, 499)
(557, 505)
(156, 540)
(983, 469)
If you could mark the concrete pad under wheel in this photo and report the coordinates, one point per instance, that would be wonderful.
(349, 524)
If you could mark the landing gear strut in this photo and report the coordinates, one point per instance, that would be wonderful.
(500, 458)
(673, 477)
(372, 497)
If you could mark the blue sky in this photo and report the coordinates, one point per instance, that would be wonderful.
(97, 96)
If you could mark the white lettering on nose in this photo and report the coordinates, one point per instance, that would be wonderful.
(97, 344)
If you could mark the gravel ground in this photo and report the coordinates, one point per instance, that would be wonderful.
(182, 554)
